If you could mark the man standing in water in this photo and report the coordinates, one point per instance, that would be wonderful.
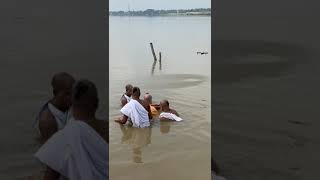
(126, 97)
(54, 114)
(80, 150)
(137, 110)
(168, 113)
(153, 107)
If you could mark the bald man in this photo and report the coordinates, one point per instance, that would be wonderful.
(80, 150)
(126, 97)
(153, 107)
(54, 114)
(167, 112)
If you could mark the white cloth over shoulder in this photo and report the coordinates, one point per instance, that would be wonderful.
(127, 98)
(137, 113)
(77, 152)
(170, 116)
(62, 118)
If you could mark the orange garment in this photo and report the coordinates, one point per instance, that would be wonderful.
(154, 111)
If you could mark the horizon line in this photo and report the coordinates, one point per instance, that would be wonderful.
(161, 9)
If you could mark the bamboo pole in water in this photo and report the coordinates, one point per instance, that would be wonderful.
(160, 60)
(154, 54)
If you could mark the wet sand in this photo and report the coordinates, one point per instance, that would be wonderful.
(266, 85)
(39, 39)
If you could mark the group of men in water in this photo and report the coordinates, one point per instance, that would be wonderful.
(74, 143)
(139, 112)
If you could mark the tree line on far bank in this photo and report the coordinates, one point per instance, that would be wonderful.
(152, 12)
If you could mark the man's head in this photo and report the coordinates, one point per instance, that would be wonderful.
(129, 88)
(136, 92)
(85, 97)
(164, 105)
(62, 87)
(148, 98)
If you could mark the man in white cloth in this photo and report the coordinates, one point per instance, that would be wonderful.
(168, 113)
(137, 110)
(80, 150)
(54, 115)
(126, 97)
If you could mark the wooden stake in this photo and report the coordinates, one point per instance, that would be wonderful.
(160, 61)
(153, 53)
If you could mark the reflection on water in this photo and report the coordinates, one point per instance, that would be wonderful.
(153, 67)
(164, 127)
(138, 138)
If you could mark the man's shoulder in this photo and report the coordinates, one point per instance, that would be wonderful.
(46, 117)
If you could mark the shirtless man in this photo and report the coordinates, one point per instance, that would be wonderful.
(126, 97)
(144, 117)
(53, 115)
(153, 107)
(164, 106)
(168, 113)
(61, 152)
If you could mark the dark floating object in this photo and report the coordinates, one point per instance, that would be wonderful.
(202, 53)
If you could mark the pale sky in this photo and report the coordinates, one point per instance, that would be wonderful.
(117, 5)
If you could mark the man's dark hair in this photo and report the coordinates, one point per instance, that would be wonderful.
(136, 90)
(85, 94)
(59, 81)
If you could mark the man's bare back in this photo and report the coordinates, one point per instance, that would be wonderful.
(101, 127)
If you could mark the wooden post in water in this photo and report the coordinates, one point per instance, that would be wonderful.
(154, 54)
(160, 61)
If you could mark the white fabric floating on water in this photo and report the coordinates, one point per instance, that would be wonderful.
(137, 113)
(170, 116)
(77, 152)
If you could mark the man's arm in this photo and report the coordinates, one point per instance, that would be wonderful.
(47, 126)
(147, 106)
(50, 174)
(122, 120)
(123, 101)
(175, 112)
(157, 106)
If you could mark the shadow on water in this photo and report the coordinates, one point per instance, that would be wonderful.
(171, 81)
(236, 60)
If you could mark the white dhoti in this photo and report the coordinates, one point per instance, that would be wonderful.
(170, 116)
(76, 152)
(137, 113)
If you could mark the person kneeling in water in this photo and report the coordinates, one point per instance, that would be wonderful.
(153, 107)
(168, 113)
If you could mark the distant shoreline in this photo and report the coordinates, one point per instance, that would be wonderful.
(154, 13)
